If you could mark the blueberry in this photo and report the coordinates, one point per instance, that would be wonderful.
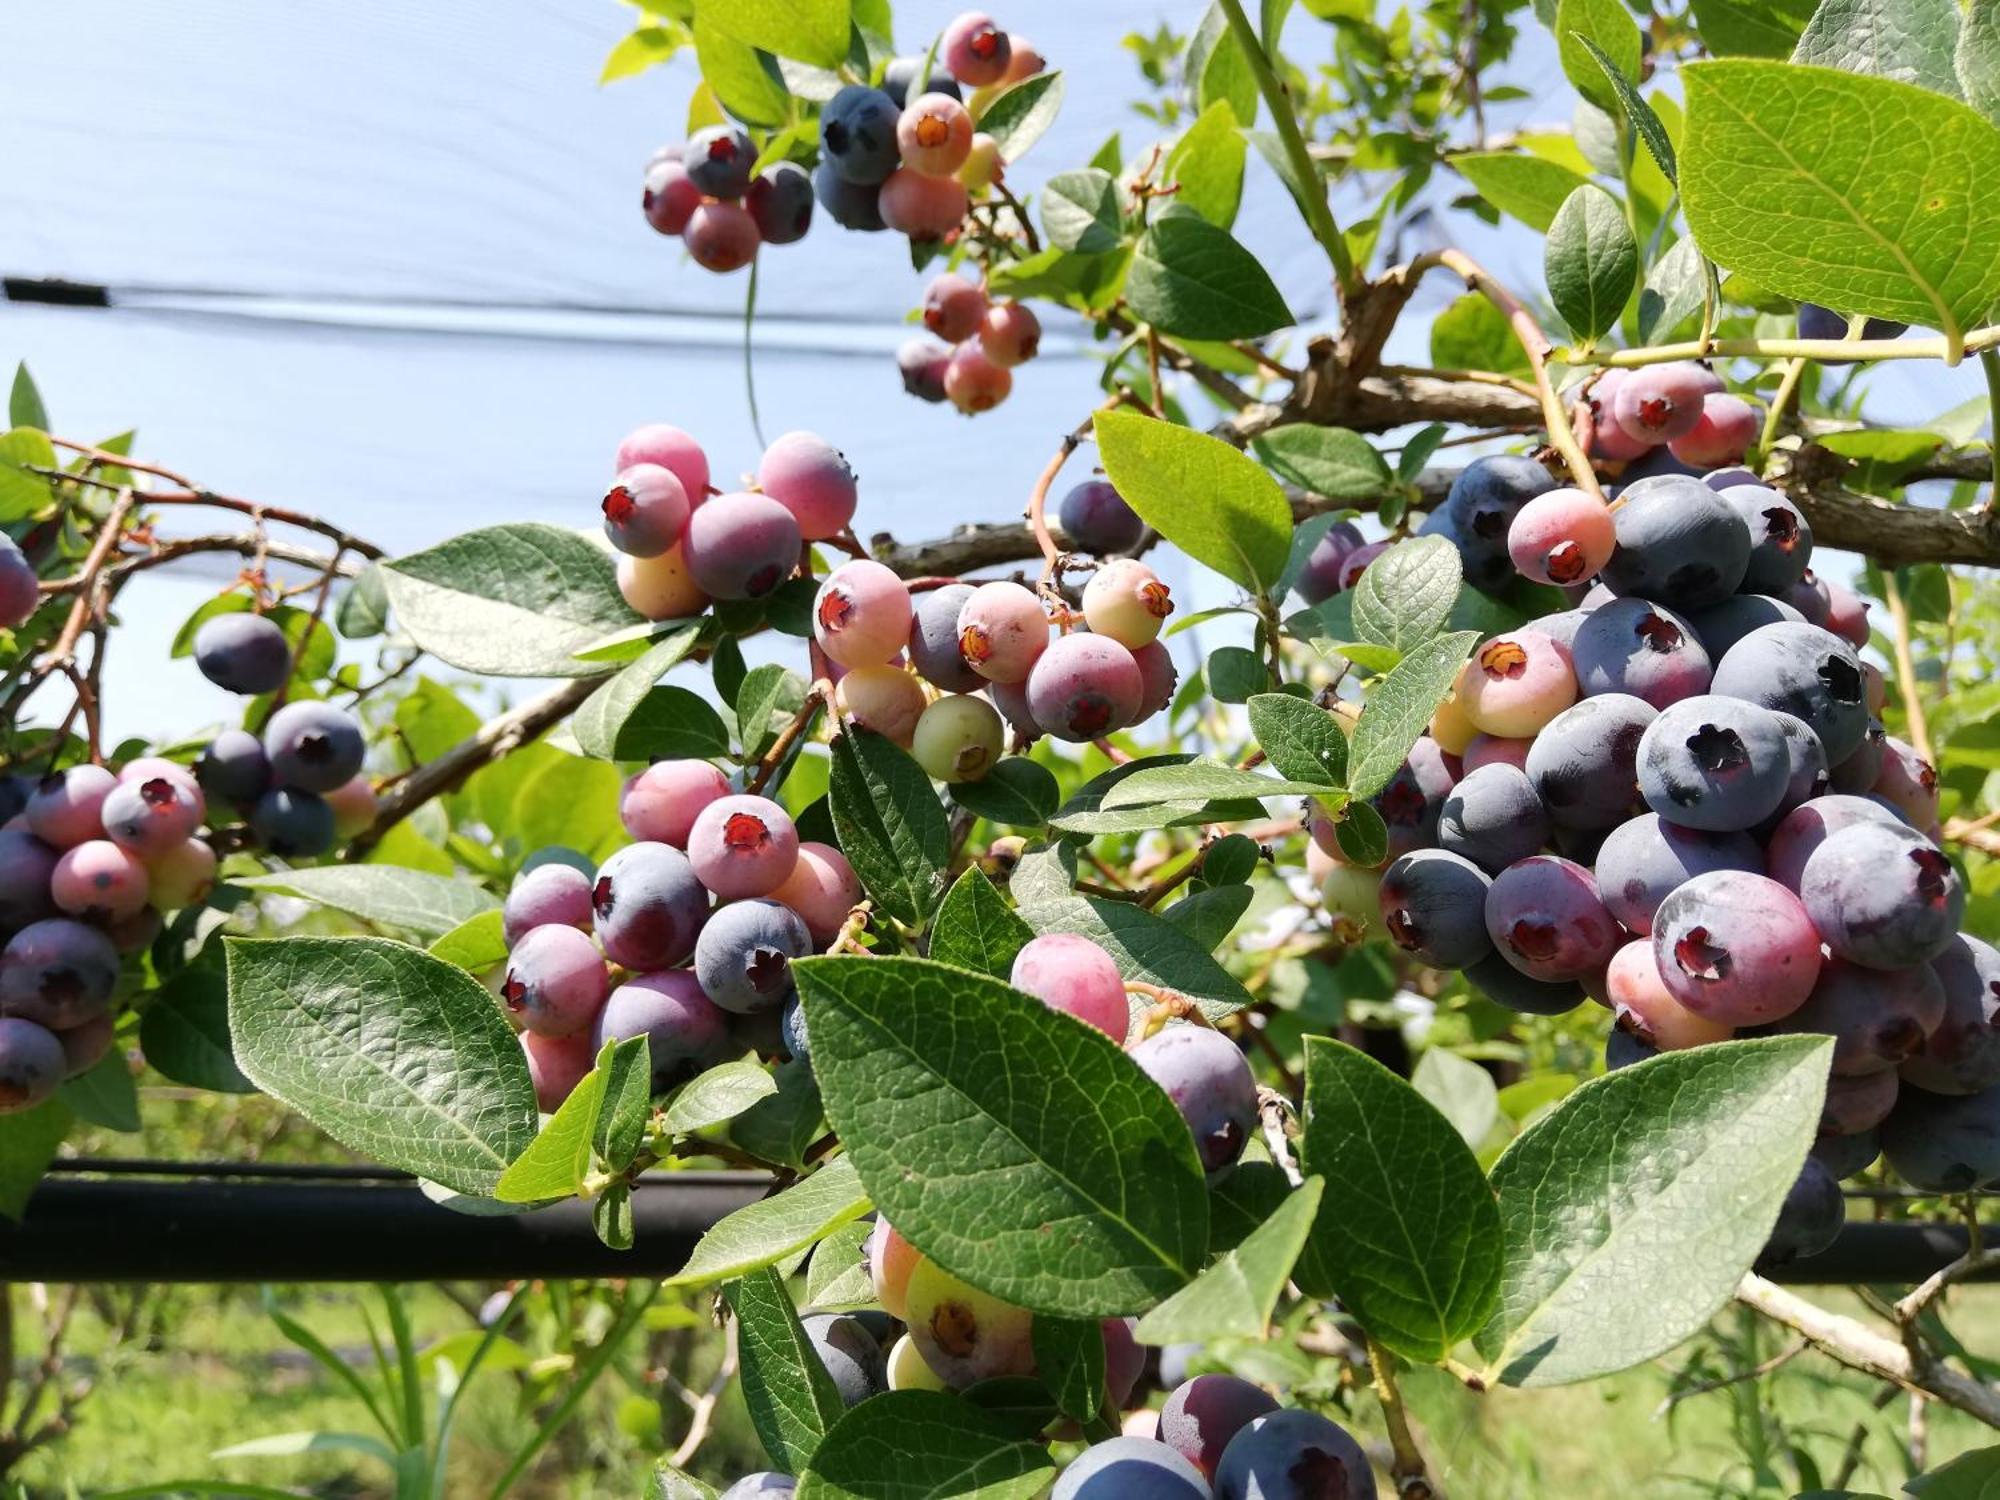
(1679, 543)
(922, 363)
(1641, 648)
(648, 906)
(20, 588)
(1810, 824)
(1201, 1416)
(1584, 764)
(1807, 672)
(1320, 577)
(780, 200)
(1662, 403)
(1809, 1220)
(744, 955)
(1562, 627)
(1906, 780)
(1883, 897)
(1736, 948)
(314, 747)
(1130, 1468)
(1806, 758)
(718, 159)
(1858, 1103)
(1294, 1455)
(1479, 511)
(682, 1026)
(1714, 763)
(1962, 1055)
(1434, 907)
(849, 1352)
(32, 1064)
(1645, 860)
(1205, 1075)
(1414, 796)
(26, 865)
(857, 129)
(1546, 919)
(1847, 1156)
(67, 807)
(1494, 816)
(1721, 626)
(901, 72)
(1816, 322)
(243, 653)
(792, 1029)
(556, 981)
(1856, 776)
(1096, 519)
(934, 639)
(851, 205)
(1622, 1049)
(1781, 539)
(1943, 1143)
(292, 823)
(756, 1486)
(57, 973)
(1878, 1018)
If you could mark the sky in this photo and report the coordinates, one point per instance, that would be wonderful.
(384, 262)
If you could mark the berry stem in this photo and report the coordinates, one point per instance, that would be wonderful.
(1906, 667)
(1410, 1476)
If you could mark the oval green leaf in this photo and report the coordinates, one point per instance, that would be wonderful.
(1201, 494)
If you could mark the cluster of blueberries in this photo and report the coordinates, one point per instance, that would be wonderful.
(1676, 798)
(983, 341)
(685, 936)
(1216, 1437)
(709, 193)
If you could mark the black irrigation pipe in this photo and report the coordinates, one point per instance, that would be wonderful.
(124, 1220)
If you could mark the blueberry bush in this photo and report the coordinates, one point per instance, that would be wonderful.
(1486, 967)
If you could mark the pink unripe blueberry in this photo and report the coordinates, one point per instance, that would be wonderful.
(1072, 974)
(1609, 440)
(145, 767)
(1492, 749)
(1516, 683)
(934, 134)
(1023, 60)
(66, 808)
(922, 207)
(1909, 782)
(354, 806)
(1010, 334)
(1011, 698)
(645, 510)
(1085, 686)
(959, 738)
(1563, 536)
(1157, 678)
(1126, 601)
(741, 546)
(1659, 403)
(976, 51)
(1002, 631)
(743, 846)
(180, 876)
(1728, 425)
(1736, 948)
(660, 588)
(1846, 613)
(891, 1259)
(972, 382)
(861, 616)
(721, 237)
(556, 981)
(153, 813)
(811, 478)
(669, 447)
(954, 307)
(822, 888)
(885, 699)
(100, 881)
(551, 895)
(670, 197)
(1647, 1008)
(556, 1065)
(661, 803)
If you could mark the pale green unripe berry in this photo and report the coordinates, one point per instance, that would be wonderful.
(1126, 601)
(959, 738)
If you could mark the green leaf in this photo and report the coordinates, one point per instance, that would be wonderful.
(743, 82)
(393, 1053)
(1201, 494)
(1528, 187)
(943, 1084)
(1462, 1091)
(1020, 115)
(1017, 792)
(1913, 41)
(976, 929)
(1977, 60)
(925, 1445)
(1473, 334)
(1752, 28)
(1362, 835)
(1328, 461)
(1299, 739)
(558, 1159)
(1217, 68)
(1201, 781)
(1145, 947)
(1409, 1236)
(105, 1095)
(1638, 113)
(813, 31)
(1604, 28)
(782, 1128)
(363, 610)
(1244, 1201)
(475, 944)
(718, 1096)
(765, 1232)
(837, 1278)
(509, 601)
(1206, 164)
(628, 1105)
(891, 825)
(1069, 1358)
(1084, 812)
(1970, 1476)
(792, 1398)
(184, 1032)
(644, 47)
(1235, 673)
(1080, 212)
(1209, 917)
(24, 402)
(618, 715)
(23, 494)
(1405, 598)
(1894, 222)
(1592, 263)
(28, 1143)
(1673, 290)
(389, 895)
(1400, 707)
(1632, 1209)
(1234, 1298)
(1192, 280)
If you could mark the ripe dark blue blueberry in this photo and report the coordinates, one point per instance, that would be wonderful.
(1096, 519)
(1434, 907)
(1499, 981)
(1781, 539)
(1647, 859)
(1721, 626)
(760, 1485)
(293, 823)
(32, 1064)
(1679, 543)
(934, 639)
(314, 746)
(1858, 1102)
(857, 130)
(744, 955)
(1714, 763)
(780, 200)
(718, 159)
(1479, 511)
(1622, 1049)
(1847, 1156)
(1638, 647)
(1294, 1455)
(851, 205)
(850, 1354)
(648, 906)
(1805, 671)
(1878, 1018)
(1810, 824)
(1942, 1143)
(1883, 897)
(57, 973)
(1583, 766)
(1806, 757)
(1962, 1055)
(1809, 1220)
(1493, 817)
(1130, 1468)
(901, 72)
(243, 653)
(234, 768)
(1816, 322)
(1205, 1075)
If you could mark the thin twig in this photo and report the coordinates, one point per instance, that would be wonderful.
(1408, 1474)
(704, 1406)
(1722, 1382)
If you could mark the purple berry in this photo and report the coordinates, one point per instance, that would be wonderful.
(812, 479)
(1810, 824)
(1320, 577)
(1858, 1103)
(645, 510)
(57, 973)
(1413, 798)
(1640, 648)
(1201, 1417)
(551, 896)
(744, 955)
(32, 1064)
(669, 197)
(1294, 1455)
(1479, 511)
(954, 307)
(1816, 322)
(243, 653)
(1847, 1156)
(234, 768)
(314, 747)
(1493, 817)
(648, 906)
(1679, 543)
(1878, 1018)
(1805, 671)
(1657, 404)
(1583, 766)
(100, 882)
(780, 200)
(1962, 1055)
(1944, 1143)
(660, 804)
(1908, 782)
(933, 643)
(1883, 897)
(556, 981)
(1806, 762)
(154, 813)
(1434, 908)
(1084, 686)
(20, 589)
(922, 363)
(718, 158)
(67, 808)
(1647, 859)
(1205, 1075)
(682, 1026)
(1736, 948)
(741, 546)
(1096, 519)
(1546, 919)
(26, 864)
